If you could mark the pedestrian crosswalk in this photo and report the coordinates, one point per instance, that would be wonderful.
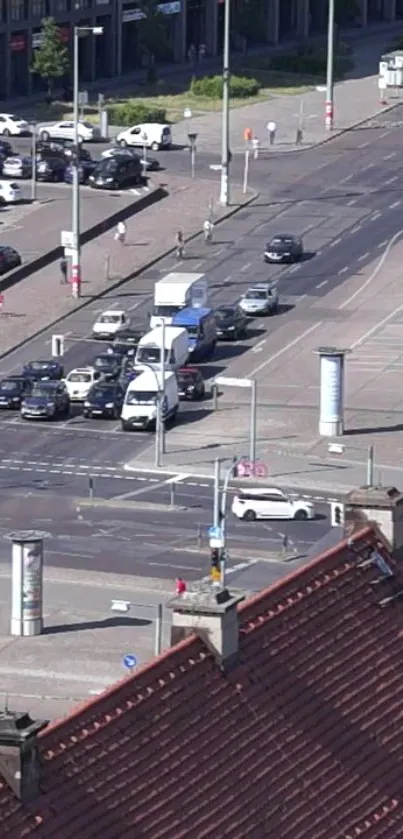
(382, 352)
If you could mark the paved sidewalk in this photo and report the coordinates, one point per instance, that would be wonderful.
(36, 302)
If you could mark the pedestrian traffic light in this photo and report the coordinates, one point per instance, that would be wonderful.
(338, 515)
(215, 558)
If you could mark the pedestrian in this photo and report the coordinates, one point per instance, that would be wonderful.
(192, 54)
(180, 586)
(120, 235)
(202, 52)
(271, 127)
(180, 245)
(208, 231)
(63, 270)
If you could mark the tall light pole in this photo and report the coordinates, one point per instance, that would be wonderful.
(75, 208)
(329, 115)
(225, 150)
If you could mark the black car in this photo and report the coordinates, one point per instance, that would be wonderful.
(85, 169)
(61, 148)
(51, 169)
(108, 364)
(5, 149)
(9, 258)
(47, 400)
(104, 400)
(40, 371)
(116, 173)
(231, 323)
(284, 248)
(190, 383)
(13, 389)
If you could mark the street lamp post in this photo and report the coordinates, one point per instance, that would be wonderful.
(75, 214)
(225, 151)
(329, 68)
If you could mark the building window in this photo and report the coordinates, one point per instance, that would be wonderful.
(17, 10)
(39, 8)
(61, 6)
(82, 4)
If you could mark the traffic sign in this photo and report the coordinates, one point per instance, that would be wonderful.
(129, 661)
(187, 113)
(214, 532)
(67, 239)
(83, 98)
(215, 167)
(231, 381)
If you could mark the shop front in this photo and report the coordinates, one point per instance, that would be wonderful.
(130, 52)
(19, 67)
(104, 49)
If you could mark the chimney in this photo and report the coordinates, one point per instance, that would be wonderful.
(19, 763)
(382, 505)
(213, 616)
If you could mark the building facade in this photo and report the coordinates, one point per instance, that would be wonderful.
(187, 22)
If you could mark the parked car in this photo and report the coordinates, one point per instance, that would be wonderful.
(11, 125)
(61, 148)
(116, 173)
(109, 323)
(149, 164)
(10, 193)
(108, 364)
(5, 150)
(128, 338)
(9, 258)
(51, 169)
(190, 384)
(13, 389)
(104, 400)
(270, 503)
(47, 400)
(150, 135)
(129, 371)
(64, 130)
(41, 371)
(85, 169)
(231, 322)
(19, 166)
(80, 381)
(261, 299)
(284, 248)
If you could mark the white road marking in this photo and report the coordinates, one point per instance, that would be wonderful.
(293, 269)
(287, 347)
(369, 166)
(348, 178)
(376, 270)
(335, 242)
(245, 267)
(324, 282)
(375, 216)
(377, 326)
(343, 270)
(363, 256)
(259, 346)
(351, 202)
(227, 279)
(384, 134)
(383, 244)
(389, 156)
(392, 180)
(356, 228)
(395, 204)
(363, 145)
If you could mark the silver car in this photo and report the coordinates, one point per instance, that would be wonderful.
(260, 299)
(19, 166)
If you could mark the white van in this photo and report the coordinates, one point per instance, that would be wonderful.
(176, 341)
(139, 409)
(150, 135)
(10, 192)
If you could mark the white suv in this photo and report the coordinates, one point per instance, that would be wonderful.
(270, 503)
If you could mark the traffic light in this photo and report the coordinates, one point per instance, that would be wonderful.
(338, 515)
(215, 570)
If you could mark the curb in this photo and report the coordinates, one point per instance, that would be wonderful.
(115, 285)
(125, 505)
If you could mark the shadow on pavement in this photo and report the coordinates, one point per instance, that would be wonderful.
(106, 623)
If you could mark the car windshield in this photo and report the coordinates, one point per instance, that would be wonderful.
(255, 294)
(186, 378)
(281, 241)
(39, 366)
(109, 165)
(150, 355)
(8, 387)
(14, 118)
(192, 330)
(43, 392)
(104, 393)
(14, 161)
(87, 125)
(145, 397)
(109, 319)
(224, 313)
(81, 378)
(105, 361)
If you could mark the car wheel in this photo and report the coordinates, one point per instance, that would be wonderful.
(202, 393)
(124, 426)
(249, 515)
(45, 136)
(301, 515)
(122, 144)
(155, 146)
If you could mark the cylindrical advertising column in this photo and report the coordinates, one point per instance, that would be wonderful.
(331, 411)
(26, 582)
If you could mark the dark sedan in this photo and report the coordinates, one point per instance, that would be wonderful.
(13, 389)
(104, 400)
(108, 364)
(284, 248)
(129, 371)
(231, 323)
(47, 400)
(51, 169)
(85, 169)
(190, 383)
(5, 149)
(129, 339)
(9, 258)
(40, 371)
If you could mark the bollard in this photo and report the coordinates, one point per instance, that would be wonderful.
(107, 267)
(172, 498)
(299, 136)
(199, 535)
(215, 397)
(91, 486)
(284, 544)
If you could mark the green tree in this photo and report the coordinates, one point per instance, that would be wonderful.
(153, 34)
(51, 61)
(248, 20)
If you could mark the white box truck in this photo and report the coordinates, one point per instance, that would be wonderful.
(176, 341)
(175, 292)
(139, 409)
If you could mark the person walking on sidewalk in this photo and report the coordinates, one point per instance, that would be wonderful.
(208, 231)
(180, 245)
(271, 127)
(63, 270)
(120, 235)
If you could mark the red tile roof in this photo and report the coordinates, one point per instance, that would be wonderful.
(302, 740)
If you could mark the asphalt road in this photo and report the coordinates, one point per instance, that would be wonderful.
(343, 197)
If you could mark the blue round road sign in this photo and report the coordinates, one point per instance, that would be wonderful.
(129, 661)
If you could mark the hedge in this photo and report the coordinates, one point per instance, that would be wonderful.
(211, 87)
(309, 61)
(132, 113)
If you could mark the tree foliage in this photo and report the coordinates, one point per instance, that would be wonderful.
(153, 33)
(51, 60)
